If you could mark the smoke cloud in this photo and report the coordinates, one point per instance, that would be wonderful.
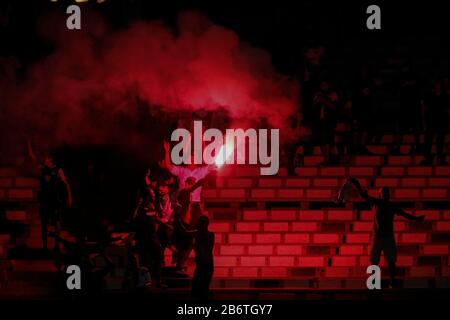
(101, 86)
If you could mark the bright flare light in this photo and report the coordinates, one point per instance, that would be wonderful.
(224, 153)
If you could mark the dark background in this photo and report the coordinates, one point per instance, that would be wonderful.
(284, 28)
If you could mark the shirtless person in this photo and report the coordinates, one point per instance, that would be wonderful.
(383, 228)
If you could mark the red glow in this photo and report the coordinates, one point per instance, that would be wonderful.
(97, 76)
(224, 153)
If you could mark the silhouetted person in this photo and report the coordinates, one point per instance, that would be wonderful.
(204, 260)
(347, 135)
(148, 246)
(435, 115)
(184, 229)
(54, 191)
(300, 137)
(325, 105)
(184, 223)
(147, 241)
(165, 207)
(383, 239)
(311, 71)
(145, 194)
(291, 148)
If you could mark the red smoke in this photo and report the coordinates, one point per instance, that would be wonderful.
(97, 79)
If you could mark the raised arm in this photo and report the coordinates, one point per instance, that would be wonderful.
(63, 179)
(409, 216)
(167, 163)
(31, 152)
(198, 184)
(362, 193)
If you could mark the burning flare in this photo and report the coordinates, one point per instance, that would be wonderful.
(226, 150)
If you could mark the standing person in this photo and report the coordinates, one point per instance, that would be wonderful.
(383, 228)
(435, 115)
(147, 242)
(182, 173)
(165, 207)
(325, 105)
(183, 228)
(53, 185)
(347, 135)
(204, 260)
(145, 194)
(300, 137)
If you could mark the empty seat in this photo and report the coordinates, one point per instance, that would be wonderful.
(282, 261)
(307, 172)
(341, 261)
(294, 250)
(368, 160)
(26, 182)
(253, 261)
(21, 194)
(260, 215)
(16, 215)
(305, 226)
(362, 171)
(236, 238)
(326, 238)
(340, 215)
(358, 238)
(248, 227)
(351, 250)
(6, 182)
(393, 171)
(332, 172)
(8, 172)
(268, 238)
(413, 182)
(245, 272)
(298, 183)
(378, 149)
(231, 250)
(419, 171)
(387, 182)
(276, 227)
(239, 183)
(283, 215)
(436, 249)
(413, 238)
(293, 194)
(270, 183)
(266, 250)
(311, 215)
(399, 160)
